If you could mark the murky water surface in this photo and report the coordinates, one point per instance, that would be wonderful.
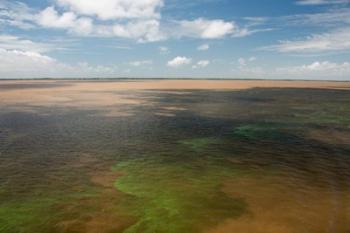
(262, 160)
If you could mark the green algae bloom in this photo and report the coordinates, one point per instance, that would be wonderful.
(41, 214)
(175, 198)
(258, 131)
(29, 215)
(200, 144)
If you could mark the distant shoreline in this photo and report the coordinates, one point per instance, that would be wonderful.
(100, 85)
(155, 79)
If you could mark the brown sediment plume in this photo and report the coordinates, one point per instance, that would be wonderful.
(100, 172)
(103, 223)
(105, 179)
(99, 215)
(330, 136)
(95, 213)
(172, 85)
(111, 96)
(277, 205)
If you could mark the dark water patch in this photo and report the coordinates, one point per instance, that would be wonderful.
(21, 86)
(200, 144)
(259, 132)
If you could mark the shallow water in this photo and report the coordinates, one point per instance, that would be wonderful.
(207, 161)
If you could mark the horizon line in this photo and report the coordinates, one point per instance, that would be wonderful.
(172, 78)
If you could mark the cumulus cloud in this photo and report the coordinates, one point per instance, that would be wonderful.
(139, 20)
(211, 29)
(115, 9)
(143, 31)
(50, 18)
(335, 40)
(140, 30)
(179, 61)
(203, 47)
(207, 29)
(201, 64)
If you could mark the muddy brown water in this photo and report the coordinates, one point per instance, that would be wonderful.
(174, 156)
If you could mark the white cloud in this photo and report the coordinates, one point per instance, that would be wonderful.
(19, 64)
(23, 58)
(201, 64)
(332, 41)
(320, 67)
(16, 14)
(207, 29)
(143, 31)
(321, 2)
(34, 56)
(211, 29)
(115, 9)
(10, 42)
(242, 62)
(334, 17)
(139, 20)
(143, 26)
(203, 47)
(139, 27)
(26, 64)
(141, 63)
(179, 61)
(50, 18)
(319, 70)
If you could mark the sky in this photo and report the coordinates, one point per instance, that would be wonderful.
(240, 39)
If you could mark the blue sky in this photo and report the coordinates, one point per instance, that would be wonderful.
(272, 39)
